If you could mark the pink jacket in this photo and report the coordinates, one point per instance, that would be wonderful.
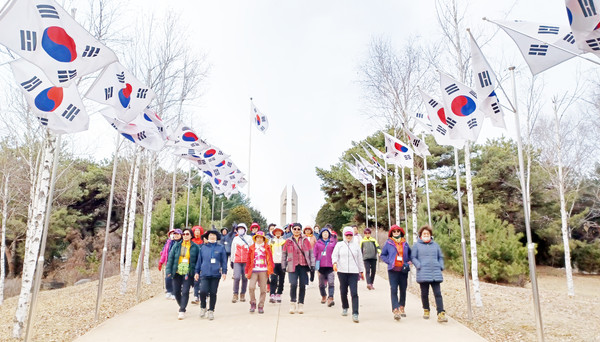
(164, 254)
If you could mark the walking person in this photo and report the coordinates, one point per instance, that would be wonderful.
(324, 265)
(370, 250)
(347, 262)
(269, 234)
(298, 260)
(258, 269)
(197, 231)
(396, 254)
(181, 266)
(211, 267)
(254, 228)
(429, 261)
(239, 247)
(278, 276)
(308, 232)
(172, 236)
(226, 240)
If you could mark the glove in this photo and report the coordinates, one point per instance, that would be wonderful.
(231, 264)
(335, 267)
(160, 267)
(312, 274)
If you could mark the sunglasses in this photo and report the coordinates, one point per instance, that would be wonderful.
(188, 234)
(296, 229)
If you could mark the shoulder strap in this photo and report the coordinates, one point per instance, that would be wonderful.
(353, 257)
(301, 251)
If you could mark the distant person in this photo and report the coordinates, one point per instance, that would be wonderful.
(323, 264)
(428, 259)
(396, 254)
(278, 276)
(197, 239)
(347, 262)
(370, 250)
(308, 232)
(254, 228)
(226, 239)
(239, 248)
(287, 231)
(181, 266)
(270, 228)
(211, 267)
(172, 236)
(298, 260)
(357, 236)
(258, 269)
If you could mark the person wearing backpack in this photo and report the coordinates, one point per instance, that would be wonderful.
(347, 262)
(396, 254)
(370, 250)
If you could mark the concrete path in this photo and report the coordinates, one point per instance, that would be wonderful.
(156, 320)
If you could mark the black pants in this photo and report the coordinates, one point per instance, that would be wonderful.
(349, 280)
(181, 289)
(397, 279)
(277, 279)
(437, 292)
(370, 269)
(298, 277)
(209, 287)
(197, 287)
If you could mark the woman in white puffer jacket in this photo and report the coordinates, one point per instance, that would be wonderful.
(347, 262)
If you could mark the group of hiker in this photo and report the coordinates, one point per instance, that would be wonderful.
(260, 260)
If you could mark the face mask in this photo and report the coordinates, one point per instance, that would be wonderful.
(426, 239)
(241, 231)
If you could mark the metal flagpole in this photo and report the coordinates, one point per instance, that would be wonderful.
(201, 198)
(39, 268)
(106, 231)
(404, 200)
(463, 242)
(222, 213)
(387, 190)
(426, 184)
(366, 208)
(173, 191)
(212, 216)
(530, 245)
(145, 231)
(375, 200)
(187, 206)
(249, 149)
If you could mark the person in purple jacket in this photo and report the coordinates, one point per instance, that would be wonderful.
(323, 264)
(396, 254)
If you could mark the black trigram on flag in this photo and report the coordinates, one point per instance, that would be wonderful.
(407, 157)
(114, 126)
(43, 121)
(141, 135)
(543, 29)
(587, 7)
(28, 40)
(484, 79)
(416, 142)
(66, 75)
(419, 115)
(48, 11)
(472, 123)
(569, 38)
(495, 107)
(441, 130)
(451, 89)
(473, 93)
(451, 122)
(593, 44)
(108, 93)
(141, 93)
(432, 103)
(31, 84)
(538, 50)
(121, 77)
(216, 172)
(90, 51)
(70, 113)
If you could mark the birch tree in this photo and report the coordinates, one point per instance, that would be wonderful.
(131, 222)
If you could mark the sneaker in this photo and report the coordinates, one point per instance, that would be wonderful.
(252, 307)
(181, 315)
(235, 298)
(261, 310)
(355, 318)
(243, 297)
(202, 312)
(300, 308)
(292, 308)
(402, 313)
(323, 299)
(330, 302)
(442, 317)
(168, 295)
(196, 300)
(397, 315)
(426, 314)
(272, 298)
(211, 315)
(369, 287)
(278, 299)
(344, 312)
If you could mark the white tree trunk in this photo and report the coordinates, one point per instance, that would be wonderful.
(404, 201)
(397, 193)
(413, 194)
(35, 227)
(125, 217)
(131, 223)
(472, 231)
(173, 194)
(3, 241)
(150, 194)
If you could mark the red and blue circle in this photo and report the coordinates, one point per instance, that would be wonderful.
(208, 173)
(463, 106)
(442, 115)
(125, 95)
(59, 45)
(258, 122)
(218, 181)
(49, 99)
(189, 136)
(400, 148)
(221, 164)
(210, 152)
(128, 137)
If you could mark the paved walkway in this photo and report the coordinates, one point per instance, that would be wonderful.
(156, 320)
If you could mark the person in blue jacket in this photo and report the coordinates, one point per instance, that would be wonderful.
(211, 266)
(428, 259)
(396, 254)
(226, 239)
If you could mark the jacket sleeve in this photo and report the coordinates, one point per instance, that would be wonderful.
(408, 252)
(199, 261)
(335, 254)
(284, 256)
(378, 248)
(170, 260)
(384, 253)
(415, 256)
(311, 255)
(249, 263)
(440, 257)
(223, 261)
(361, 265)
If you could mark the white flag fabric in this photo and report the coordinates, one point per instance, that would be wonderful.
(380, 170)
(58, 108)
(260, 120)
(209, 158)
(378, 153)
(423, 121)
(140, 131)
(437, 116)
(584, 18)
(485, 85)
(370, 166)
(43, 33)
(151, 115)
(118, 88)
(419, 146)
(363, 173)
(397, 152)
(540, 44)
(462, 115)
(183, 138)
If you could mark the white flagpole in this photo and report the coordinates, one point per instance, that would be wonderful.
(201, 198)
(366, 209)
(212, 216)
(375, 200)
(463, 241)
(173, 193)
(107, 229)
(145, 231)
(397, 194)
(249, 148)
(426, 184)
(387, 190)
(530, 245)
(404, 200)
(222, 213)
(187, 206)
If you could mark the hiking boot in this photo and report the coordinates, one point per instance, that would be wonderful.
(252, 306)
(272, 299)
(181, 315)
(202, 312)
(292, 308)
(344, 312)
(402, 313)
(211, 315)
(243, 297)
(278, 298)
(355, 318)
(261, 310)
(426, 314)
(196, 300)
(442, 317)
(235, 298)
(300, 308)
(397, 315)
(323, 299)
(369, 287)
(330, 302)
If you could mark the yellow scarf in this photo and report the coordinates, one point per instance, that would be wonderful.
(186, 255)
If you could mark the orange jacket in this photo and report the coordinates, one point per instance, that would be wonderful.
(250, 263)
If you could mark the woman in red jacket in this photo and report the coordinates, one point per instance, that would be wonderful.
(258, 269)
